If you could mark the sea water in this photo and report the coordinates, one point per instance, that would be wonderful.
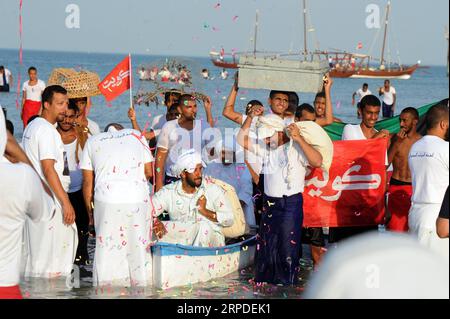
(426, 86)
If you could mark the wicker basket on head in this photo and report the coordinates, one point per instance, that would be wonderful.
(77, 83)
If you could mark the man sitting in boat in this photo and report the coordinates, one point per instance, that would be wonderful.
(197, 208)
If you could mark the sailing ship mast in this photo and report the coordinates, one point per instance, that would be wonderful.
(256, 33)
(305, 52)
(385, 35)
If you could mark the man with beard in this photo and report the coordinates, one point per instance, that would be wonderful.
(52, 244)
(400, 186)
(429, 163)
(178, 136)
(198, 209)
(74, 139)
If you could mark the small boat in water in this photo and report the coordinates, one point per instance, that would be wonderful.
(177, 265)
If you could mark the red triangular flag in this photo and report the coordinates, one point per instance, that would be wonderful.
(116, 82)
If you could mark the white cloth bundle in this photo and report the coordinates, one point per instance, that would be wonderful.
(318, 138)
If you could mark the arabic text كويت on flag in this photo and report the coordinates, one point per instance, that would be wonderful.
(116, 82)
(352, 193)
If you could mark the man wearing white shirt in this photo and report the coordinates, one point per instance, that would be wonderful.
(32, 96)
(389, 96)
(74, 140)
(116, 168)
(370, 107)
(198, 209)
(52, 244)
(5, 79)
(178, 136)
(285, 159)
(429, 164)
(22, 196)
(362, 92)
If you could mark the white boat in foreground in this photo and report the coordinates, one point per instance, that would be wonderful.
(178, 265)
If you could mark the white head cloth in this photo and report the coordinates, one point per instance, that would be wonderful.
(187, 161)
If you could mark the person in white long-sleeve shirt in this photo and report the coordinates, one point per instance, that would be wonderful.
(226, 167)
(198, 208)
(22, 196)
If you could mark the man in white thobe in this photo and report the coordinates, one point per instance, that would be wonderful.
(198, 208)
(120, 163)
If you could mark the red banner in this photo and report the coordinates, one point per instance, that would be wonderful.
(352, 193)
(116, 82)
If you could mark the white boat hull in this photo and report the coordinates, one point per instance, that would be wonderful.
(177, 265)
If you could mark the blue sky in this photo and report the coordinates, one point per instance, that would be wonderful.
(194, 27)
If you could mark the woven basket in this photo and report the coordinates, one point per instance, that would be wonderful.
(78, 84)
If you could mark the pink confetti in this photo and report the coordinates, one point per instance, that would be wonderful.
(215, 29)
(217, 6)
(235, 18)
(293, 242)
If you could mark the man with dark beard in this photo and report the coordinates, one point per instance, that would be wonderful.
(400, 186)
(74, 138)
(198, 208)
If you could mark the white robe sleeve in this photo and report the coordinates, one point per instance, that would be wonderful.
(160, 202)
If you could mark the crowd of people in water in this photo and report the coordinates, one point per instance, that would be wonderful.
(68, 180)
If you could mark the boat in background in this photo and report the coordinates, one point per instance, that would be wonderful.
(360, 64)
(224, 61)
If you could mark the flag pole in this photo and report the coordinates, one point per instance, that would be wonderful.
(131, 82)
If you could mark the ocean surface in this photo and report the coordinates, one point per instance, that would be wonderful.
(426, 86)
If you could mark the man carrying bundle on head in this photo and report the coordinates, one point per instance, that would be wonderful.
(286, 156)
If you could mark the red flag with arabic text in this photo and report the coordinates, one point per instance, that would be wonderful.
(352, 193)
(117, 81)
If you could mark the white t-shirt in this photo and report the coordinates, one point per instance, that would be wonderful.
(7, 74)
(34, 93)
(158, 123)
(42, 141)
(76, 175)
(177, 140)
(118, 159)
(429, 164)
(353, 132)
(284, 169)
(93, 127)
(388, 97)
(360, 93)
(21, 195)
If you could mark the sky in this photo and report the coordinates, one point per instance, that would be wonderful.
(195, 27)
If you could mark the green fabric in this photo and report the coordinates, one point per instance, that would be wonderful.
(392, 125)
